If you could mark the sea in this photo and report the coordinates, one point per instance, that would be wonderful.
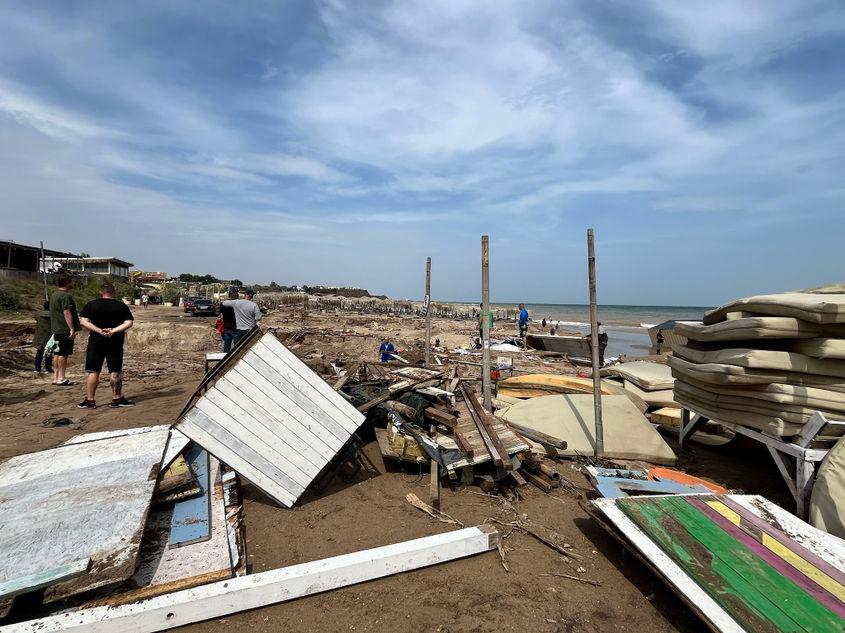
(626, 325)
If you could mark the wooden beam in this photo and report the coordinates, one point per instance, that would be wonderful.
(487, 431)
(428, 311)
(485, 322)
(230, 596)
(537, 436)
(388, 394)
(404, 409)
(441, 417)
(538, 481)
(434, 485)
(464, 443)
(594, 343)
(350, 371)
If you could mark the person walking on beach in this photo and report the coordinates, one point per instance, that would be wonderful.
(523, 320)
(107, 320)
(145, 299)
(658, 339)
(247, 314)
(227, 313)
(42, 335)
(386, 350)
(64, 325)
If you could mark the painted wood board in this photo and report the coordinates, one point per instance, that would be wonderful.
(45, 578)
(746, 585)
(191, 519)
(273, 419)
(83, 499)
(108, 435)
(257, 590)
(164, 568)
(690, 592)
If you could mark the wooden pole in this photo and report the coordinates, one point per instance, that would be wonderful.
(594, 343)
(434, 483)
(428, 311)
(485, 322)
(9, 256)
(44, 272)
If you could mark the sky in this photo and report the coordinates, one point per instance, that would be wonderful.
(341, 143)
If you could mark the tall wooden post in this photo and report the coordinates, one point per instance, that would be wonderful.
(485, 322)
(427, 311)
(594, 343)
(44, 272)
(9, 256)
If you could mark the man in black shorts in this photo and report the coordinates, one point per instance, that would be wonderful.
(107, 319)
(64, 325)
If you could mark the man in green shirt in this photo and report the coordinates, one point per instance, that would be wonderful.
(64, 323)
(481, 322)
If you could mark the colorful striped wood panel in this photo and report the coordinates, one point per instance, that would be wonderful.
(756, 573)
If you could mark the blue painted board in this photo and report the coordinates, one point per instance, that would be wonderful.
(191, 522)
(612, 483)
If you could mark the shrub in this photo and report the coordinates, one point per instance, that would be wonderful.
(9, 301)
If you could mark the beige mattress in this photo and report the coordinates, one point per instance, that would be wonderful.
(764, 359)
(659, 398)
(794, 414)
(570, 417)
(720, 374)
(748, 328)
(827, 510)
(816, 308)
(819, 347)
(779, 393)
(769, 424)
(645, 375)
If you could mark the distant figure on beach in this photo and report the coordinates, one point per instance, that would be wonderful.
(658, 339)
(553, 332)
(544, 323)
(247, 314)
(145, 299)
(523, 320)
(107, 320)
(42, 335)
(227, 314)
(64, 325)
(385, 350)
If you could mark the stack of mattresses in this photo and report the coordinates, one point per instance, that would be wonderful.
(651, 382)
(767, 362)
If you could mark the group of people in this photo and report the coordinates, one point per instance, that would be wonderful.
(58, 326)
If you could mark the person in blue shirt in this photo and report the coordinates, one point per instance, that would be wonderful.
(385, 350)
(523, 320)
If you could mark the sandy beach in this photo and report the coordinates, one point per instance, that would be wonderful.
(164, 362)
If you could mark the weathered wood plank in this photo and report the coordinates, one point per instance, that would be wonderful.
(257, 590)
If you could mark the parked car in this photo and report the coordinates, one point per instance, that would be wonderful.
(188, 304)
(203, 307)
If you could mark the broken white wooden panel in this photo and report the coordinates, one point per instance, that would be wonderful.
(270, 587)
(273, 419)
(176, 443)
(304, 372)
(84, 499)
(106, 435)
(698, 599)
(163, 568)
(45, 578)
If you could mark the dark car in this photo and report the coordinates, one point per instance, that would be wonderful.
(203, 307)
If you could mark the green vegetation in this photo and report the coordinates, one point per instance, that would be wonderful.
(171, 293)
(25, 295)
(199, 279)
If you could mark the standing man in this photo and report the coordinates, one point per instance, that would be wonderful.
(227, 313)
(43, 330)
(386, 350)
(523, 320)
(107, 319)
(64, 325)
(247, 314)
(145, 299)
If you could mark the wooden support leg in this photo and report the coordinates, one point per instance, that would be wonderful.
(434, 485)
(688, 427)
(804, 476)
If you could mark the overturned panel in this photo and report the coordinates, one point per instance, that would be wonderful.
(83, 500)
(272, 419)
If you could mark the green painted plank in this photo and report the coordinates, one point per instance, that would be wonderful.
(43, 578)
(736, 595)
(782, 592)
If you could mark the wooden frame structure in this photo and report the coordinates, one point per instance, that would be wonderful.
(796, 459)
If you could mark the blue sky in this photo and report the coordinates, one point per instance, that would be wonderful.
(342, 143)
